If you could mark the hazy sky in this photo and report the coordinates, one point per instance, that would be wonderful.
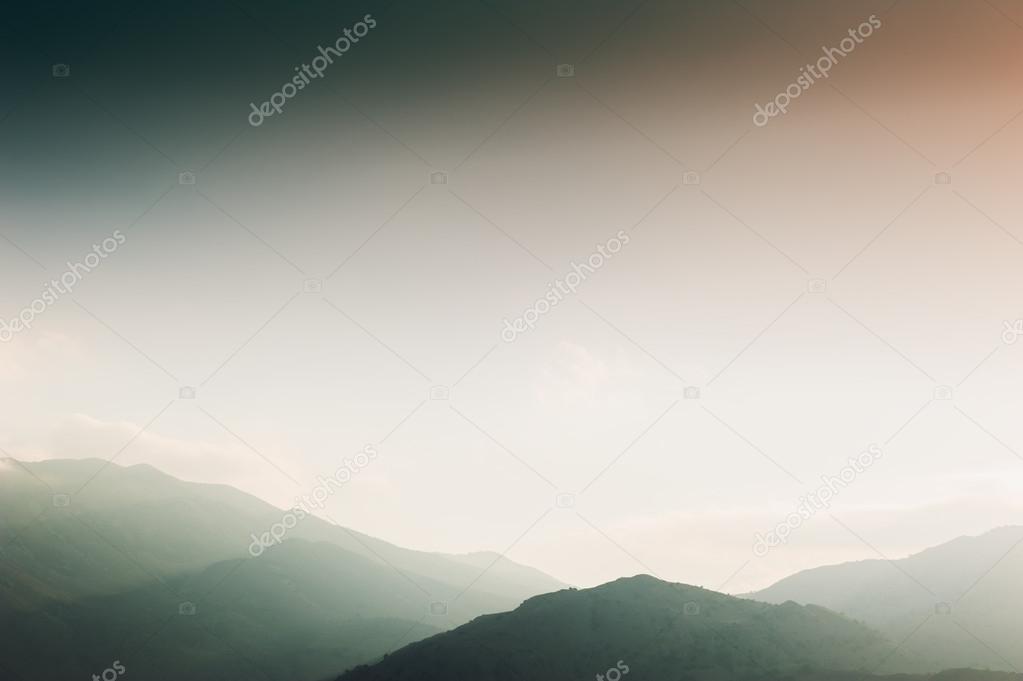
(215, 285)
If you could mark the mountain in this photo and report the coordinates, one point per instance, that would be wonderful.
(640, 626)
(296, 612)
(156, 572)
(959, 604)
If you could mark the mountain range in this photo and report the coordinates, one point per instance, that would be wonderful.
(102, 563)
(138, 566)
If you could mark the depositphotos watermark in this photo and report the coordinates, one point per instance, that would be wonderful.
(307, 72)
(304, 504)
(811, 73)
(557, 290)
(614, 673)
(111, 673)
(74, 273)
(816, 501)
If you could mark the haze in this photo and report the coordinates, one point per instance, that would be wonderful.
(815, 290)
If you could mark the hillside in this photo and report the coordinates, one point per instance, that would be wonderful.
(131, 524)
(657, 629)
(105, 576)
(959, 604)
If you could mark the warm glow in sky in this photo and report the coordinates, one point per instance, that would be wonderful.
(815, 282)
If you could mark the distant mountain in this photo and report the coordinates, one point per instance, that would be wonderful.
(959, 604)
(114, 571)
(643, 628)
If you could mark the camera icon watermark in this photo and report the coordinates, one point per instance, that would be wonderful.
(61, 501)
(691, 392)
(438, 177)
(438, 609)
(440, 393)
(186, 177)
(942, 178)
(564, 71)
(943, 392)
(691, 609)
(691, 178)
(186, 392)
(817, 286)
(61, 70)
(312, 286)
(943, 609)
(564, 500)
(186, 609)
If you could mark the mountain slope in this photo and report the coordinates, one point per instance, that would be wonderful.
(657, 629)
(959, 604)
(105, 577)
(302, 606)
(130, 525)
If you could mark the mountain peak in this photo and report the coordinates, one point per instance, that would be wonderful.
(670, 627)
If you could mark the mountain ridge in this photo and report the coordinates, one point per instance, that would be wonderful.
(157, 572)
(657, 628)
(955, 604)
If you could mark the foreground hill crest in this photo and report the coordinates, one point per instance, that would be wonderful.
(660, 627)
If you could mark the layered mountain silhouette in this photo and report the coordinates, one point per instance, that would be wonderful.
(100, 562)
(959, 604)
(156, 572)
(658, 630)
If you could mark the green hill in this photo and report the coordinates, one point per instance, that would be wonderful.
(657, 629)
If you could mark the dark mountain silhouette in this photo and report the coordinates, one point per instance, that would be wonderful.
(154, 572)
(657, 629)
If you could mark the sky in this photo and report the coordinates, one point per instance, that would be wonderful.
(770, 300)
